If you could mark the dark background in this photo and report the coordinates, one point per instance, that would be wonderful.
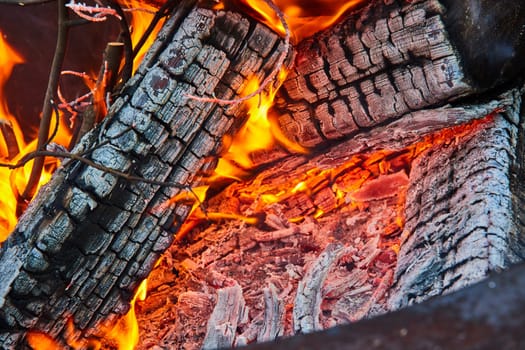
(32, 31)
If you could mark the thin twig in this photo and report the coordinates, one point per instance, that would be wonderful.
(82, 75)
(125, 35)
(47, 109)
(6, 128)
(57, 124)
(139, 9)
(100, 13)
(77, 157)
(269, 78)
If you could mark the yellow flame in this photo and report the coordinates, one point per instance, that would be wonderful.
(258, 133)
(141, 14)
(304, 18)
(8, 59)
(126, 332)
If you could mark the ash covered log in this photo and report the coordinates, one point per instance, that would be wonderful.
(387, 60)
(90, 236)
(327, 246)
(488, 315)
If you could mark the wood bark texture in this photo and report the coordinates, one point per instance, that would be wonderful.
(90, 237)
(386, 60)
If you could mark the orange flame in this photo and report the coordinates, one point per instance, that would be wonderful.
(42, 341)
(260, 132)
(122, 335)
(304, 18)
(126, 332)
(353, 184)
(141, 16)
(13, 182)
(8, 59)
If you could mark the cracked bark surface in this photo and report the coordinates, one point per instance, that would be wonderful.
(385, 61)
(88, 239)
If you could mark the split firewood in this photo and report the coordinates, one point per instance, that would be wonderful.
(307, 305)
(228, 312)
(386, 60)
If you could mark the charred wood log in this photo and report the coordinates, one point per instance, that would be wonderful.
(385, 61)
(90, 236)
(446, 248)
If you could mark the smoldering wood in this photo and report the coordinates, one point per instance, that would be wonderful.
(487, 315)
(307, 304)
(364, 278)
(446, 250)
(227, 314)
(90, 237)
(388, 59)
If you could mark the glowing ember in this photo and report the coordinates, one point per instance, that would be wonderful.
(303, 17)
(359, 180)
(41, 341)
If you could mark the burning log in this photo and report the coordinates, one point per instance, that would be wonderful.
(89, 238)
(386, 61)
(378, 264)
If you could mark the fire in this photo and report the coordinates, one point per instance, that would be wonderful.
(260, 132)
(126, 332)
(8, 59)
(352, 185)
(122, 335)
(142, 14)
(42, 341)
(12, 182)
(304, 18)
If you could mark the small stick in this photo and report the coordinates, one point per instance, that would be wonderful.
(100, 13)
(47, 109)
(10, 138)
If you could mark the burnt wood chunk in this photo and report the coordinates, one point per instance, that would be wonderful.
(488, 315)
(384, 61)
(446, 248)
(460, 202)
(90, 237)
